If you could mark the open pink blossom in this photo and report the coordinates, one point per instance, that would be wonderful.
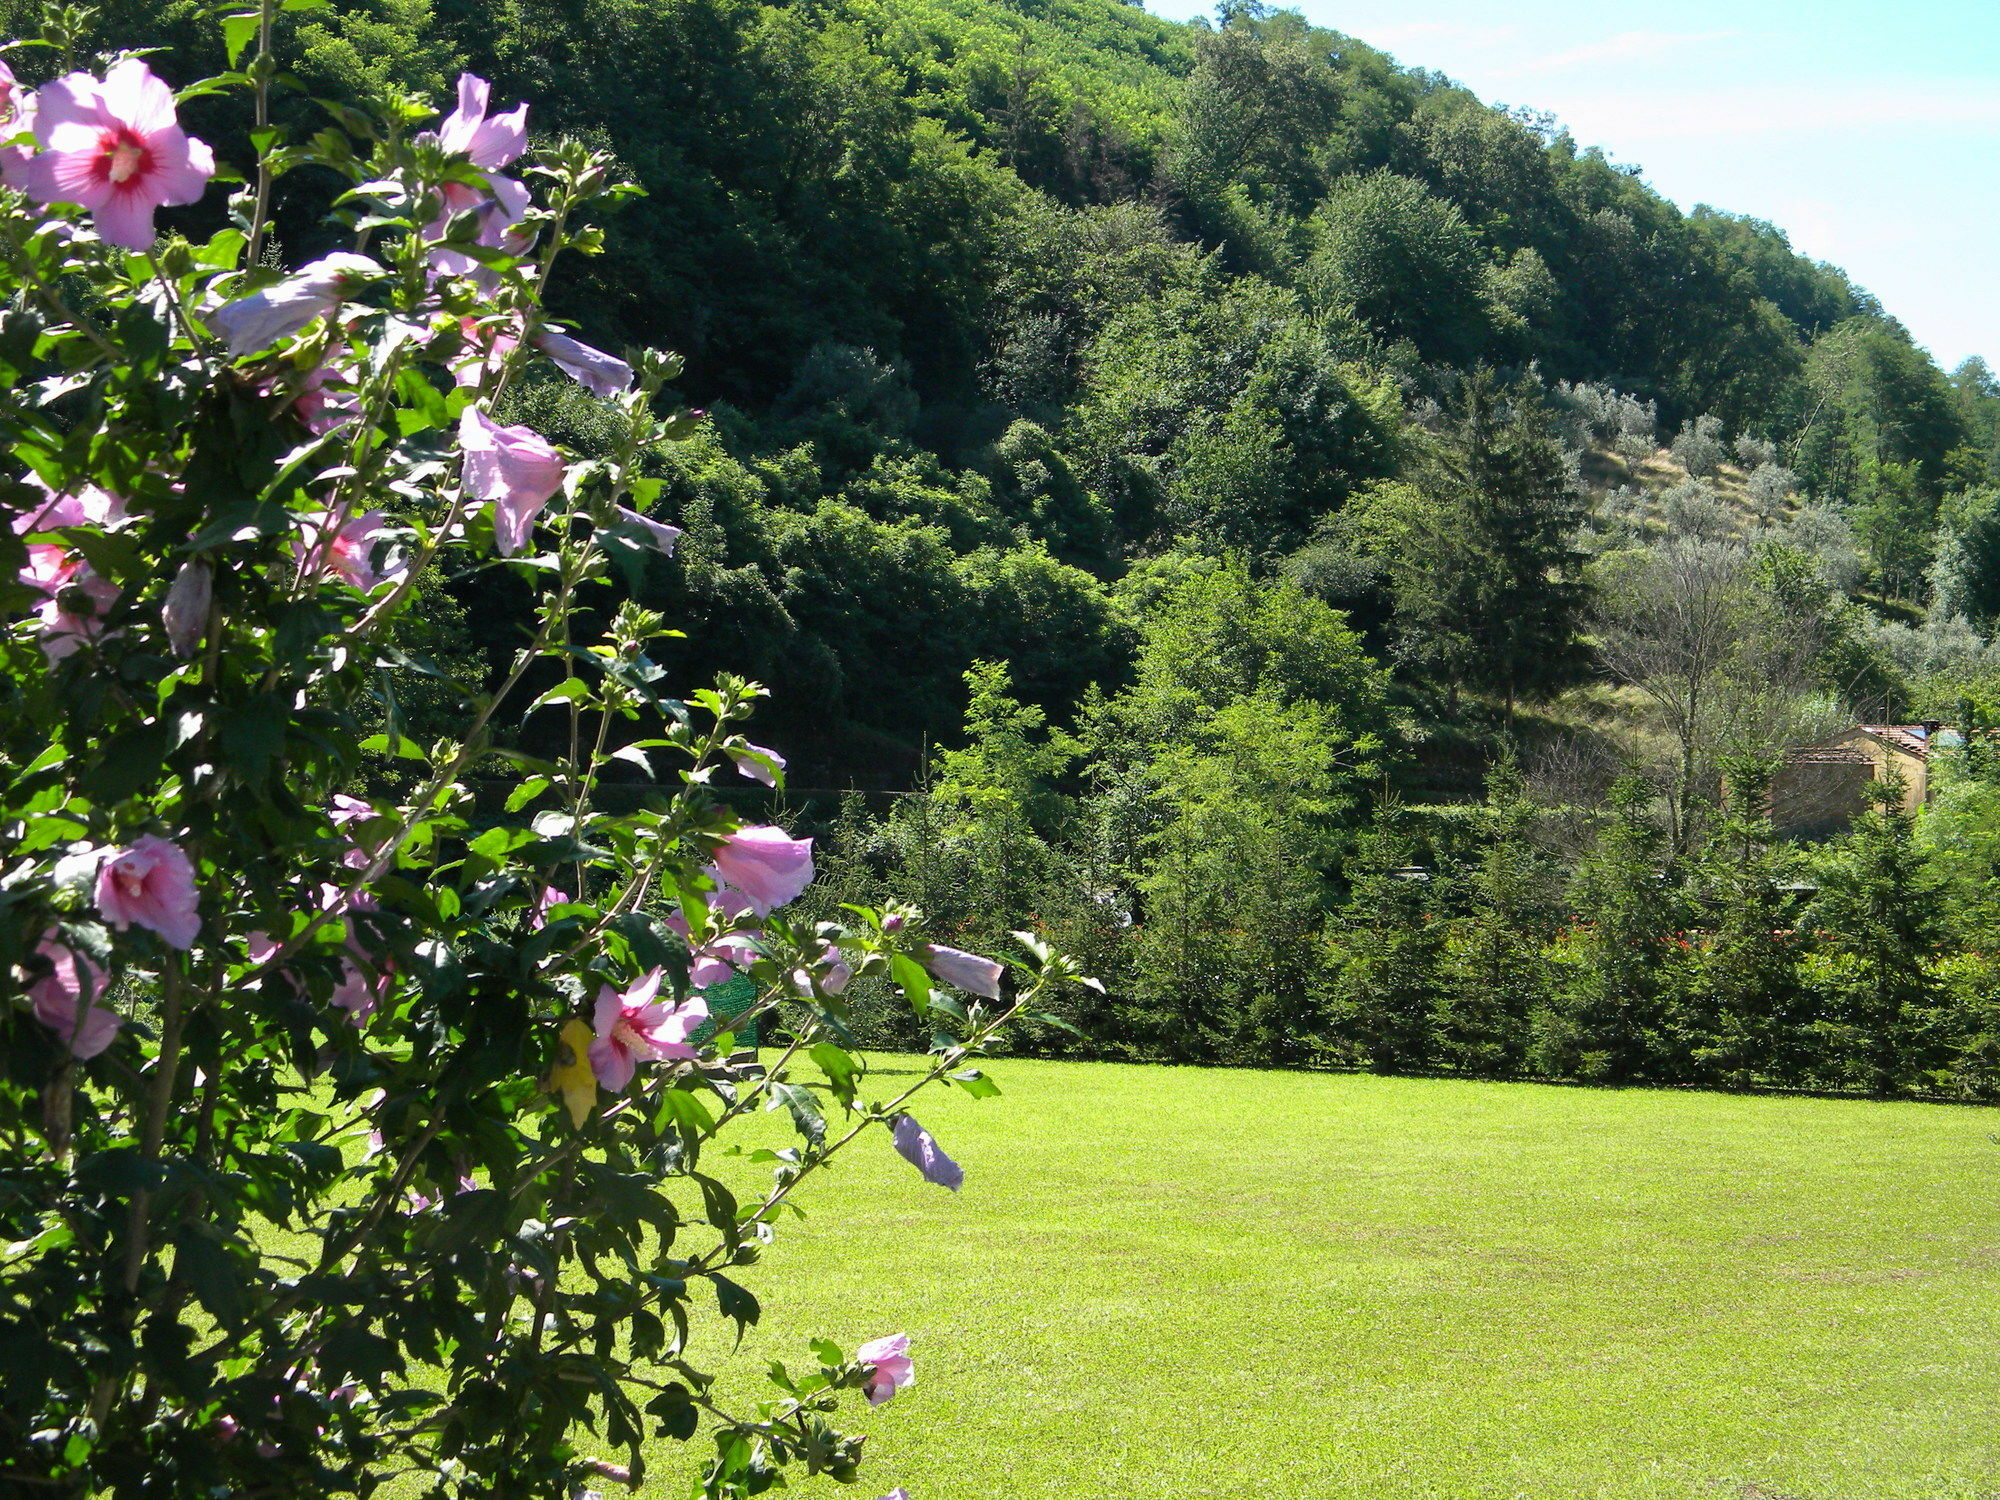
(75, 598)
(756, 762)
(634, 1026)
(515, 468)
(58, 995)
(115, 147)
(254, 323)
(88, 506)
(597, 372)
(966, 971)
(150, 883)
(352, 552)
(916, 1146)
(891, 1366)
(898, 1493)
(17, 117)
(767, 865)
(490, 144)
(186, 611)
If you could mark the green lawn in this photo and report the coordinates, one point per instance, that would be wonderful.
(1162, 1283)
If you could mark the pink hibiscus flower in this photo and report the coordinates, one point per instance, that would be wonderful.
(58, 994)
(150, 882)
(767, 865)
(116, 148)
(891, 1366)
(351, 553)
(515, 468)
(17, 115)
(75, 602)
(633, 1026)
(490, 143)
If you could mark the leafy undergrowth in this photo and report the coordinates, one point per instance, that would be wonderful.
(1168, 1283)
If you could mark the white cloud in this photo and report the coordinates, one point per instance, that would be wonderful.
(1627, 46)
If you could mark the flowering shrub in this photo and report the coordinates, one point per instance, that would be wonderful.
(354, 1119)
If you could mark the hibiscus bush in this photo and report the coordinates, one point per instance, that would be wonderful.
(360, 1119)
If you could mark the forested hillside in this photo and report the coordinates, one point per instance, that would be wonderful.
(1169, 449)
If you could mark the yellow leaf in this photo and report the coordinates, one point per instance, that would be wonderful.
(571, 1076)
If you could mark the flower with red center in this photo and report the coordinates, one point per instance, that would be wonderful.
(633, 1026)
(114, 146)
(150, 882)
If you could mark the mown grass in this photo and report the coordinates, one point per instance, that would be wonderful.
(1163, 1283)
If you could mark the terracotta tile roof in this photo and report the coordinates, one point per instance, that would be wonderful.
(1913, 738)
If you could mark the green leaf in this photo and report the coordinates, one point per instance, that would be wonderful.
(915, 982)
(676, 1410)
(131, 761)
(805, 1111)
(737, 1303)
(238, 32)
(976, 1084)
(527, 792)
(841, 1069)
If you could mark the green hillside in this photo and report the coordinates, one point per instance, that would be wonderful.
(1174, 477)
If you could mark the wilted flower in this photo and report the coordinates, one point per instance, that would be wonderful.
(660, 536)
(515, 468)
(632, 1026)
(967, 971)
(150, 882)
(259, 320)
(115, 147)
(186, 611)
(58, 994)
(765, 864)
(597, 372)
(915, 1145)
(891, 1366)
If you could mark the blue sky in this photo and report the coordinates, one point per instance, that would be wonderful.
(1870, 133)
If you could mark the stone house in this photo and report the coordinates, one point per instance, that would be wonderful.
(1820, 788)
